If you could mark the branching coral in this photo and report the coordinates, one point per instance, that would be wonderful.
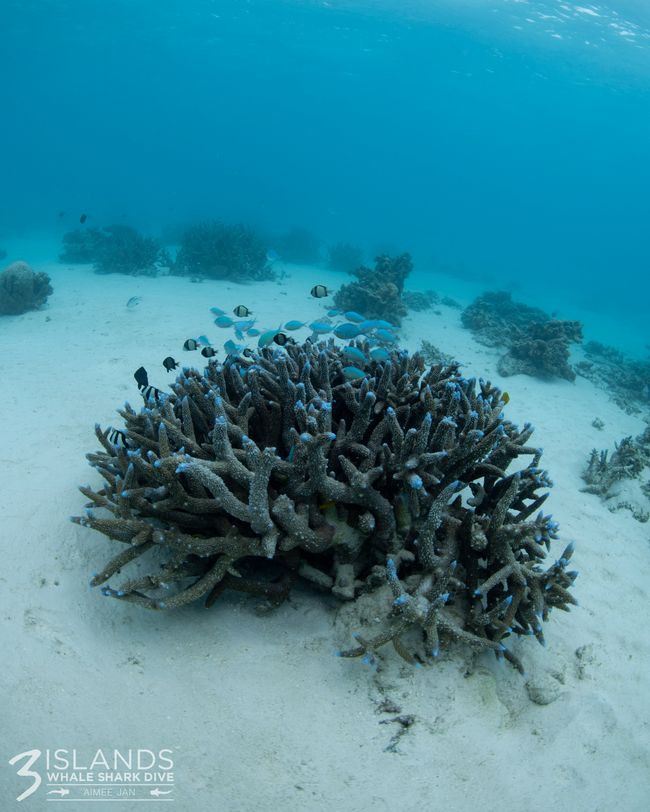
(214, 250)
(123, 250)
(82, 245)
(278, 461)
(22, 289)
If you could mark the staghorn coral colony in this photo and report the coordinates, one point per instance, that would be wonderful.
(272, 468)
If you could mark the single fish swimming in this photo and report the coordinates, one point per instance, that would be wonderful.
(355, 354)
(319, 291)
(117, 438)
(354, 373)
(191, 344)
(169, 363)
(347, 330)
(151, 392)
(141, 377)
(242, 311)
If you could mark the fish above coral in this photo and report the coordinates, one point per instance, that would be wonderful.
(393, 482)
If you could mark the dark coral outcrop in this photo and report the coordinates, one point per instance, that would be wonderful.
(535, 343)
(22, 289)
(264, 470)
(378, 292)
(542, 351)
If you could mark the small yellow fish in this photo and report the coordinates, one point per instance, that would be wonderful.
(327, 505)
(505, 397)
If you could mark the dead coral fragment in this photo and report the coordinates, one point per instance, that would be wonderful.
(273, 468)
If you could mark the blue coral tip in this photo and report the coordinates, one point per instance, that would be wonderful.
(435, 651)
(338, 653)
(508, 600)
(162, 605)
(120, 593)
(477, 593)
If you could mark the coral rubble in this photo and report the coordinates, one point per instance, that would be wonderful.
(215, 250)
(22, 289)
(378, 292)
(536, 344)
(275, 467)
(626, 380)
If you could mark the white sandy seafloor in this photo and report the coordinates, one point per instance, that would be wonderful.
(258, 710)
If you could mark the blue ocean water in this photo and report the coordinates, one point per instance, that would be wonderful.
(503, 141)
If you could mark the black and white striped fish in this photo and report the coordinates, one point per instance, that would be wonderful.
(117, 438)
(151, 393)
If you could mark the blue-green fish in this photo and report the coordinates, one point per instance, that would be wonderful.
(266, 338)
(350, 315)
(374, 324)
(217, 311)
(320, 327)
(353, 373)
(294, 325)
(231, 348)
(386, 335)
(224, 321)
(355, 354)
(204, 340)
(347, 330)
(253, 332)
(379, 354)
